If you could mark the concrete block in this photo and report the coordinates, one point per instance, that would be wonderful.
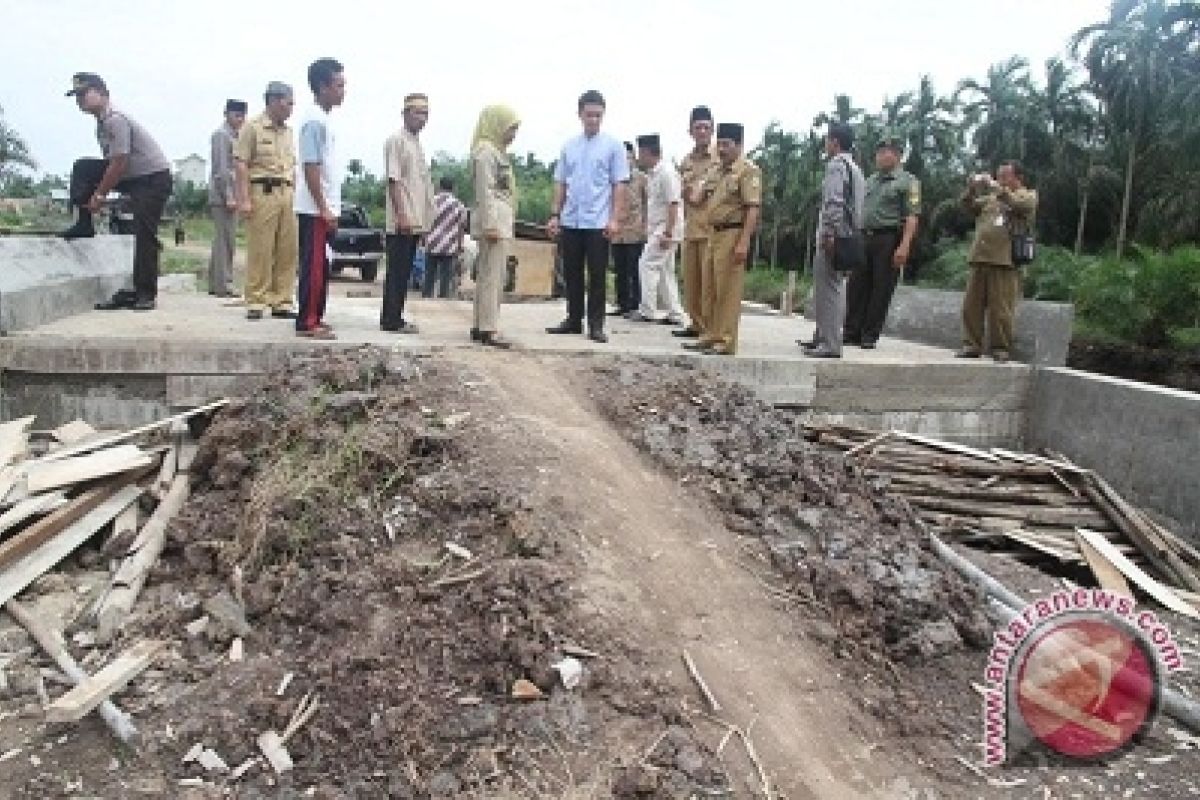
(43, 279)
(1145, 440)
(934, 317)
(188, 391)
(105, 401)
(978, 428)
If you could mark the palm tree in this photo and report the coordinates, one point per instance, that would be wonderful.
(998, 110)
(13, 151)
(1132, 59)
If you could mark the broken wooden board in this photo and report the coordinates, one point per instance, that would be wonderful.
(1160, 592)
(1108, 576)
(29, 507)
(949, 447)
(272, 747)
(73, 432)
(14, 439)
(91, 692)
(70, 471)
(62, 541)
(117, 438)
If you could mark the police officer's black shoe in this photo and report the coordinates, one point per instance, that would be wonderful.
(566, 326)
(83, 229)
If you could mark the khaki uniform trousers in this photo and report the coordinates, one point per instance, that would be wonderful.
(490, 270)
(692, 257)
(722, 282)
(272, 249)
(994, 291)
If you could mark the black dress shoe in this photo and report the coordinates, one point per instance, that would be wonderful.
(143, 305)
(566, 326)
(600, 337)
(121, 299)
(697, 347)
(283, 313)
(493, 340)
(80, 230)
(821, 352)
(687, 333)
(476, 336)
(868, 345)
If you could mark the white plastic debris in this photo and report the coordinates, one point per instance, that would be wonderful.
(570, 672)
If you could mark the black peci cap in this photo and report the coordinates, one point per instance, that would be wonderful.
(650, 140)
(236, 106)
(82, 81)
(700, 113)
(732, 131)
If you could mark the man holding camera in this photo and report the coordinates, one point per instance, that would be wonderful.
(1004, 209)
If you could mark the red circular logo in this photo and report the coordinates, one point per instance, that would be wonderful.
(1086, 685)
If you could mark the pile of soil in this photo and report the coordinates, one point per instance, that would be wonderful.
(845, 543)
(317, 532)
(1172, 368)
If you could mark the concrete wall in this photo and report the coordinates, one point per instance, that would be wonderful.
(1144, 439)
(43, 279)
(933, 316)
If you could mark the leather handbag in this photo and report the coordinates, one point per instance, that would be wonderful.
(850, 251)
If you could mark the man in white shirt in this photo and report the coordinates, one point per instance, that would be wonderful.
(318, 199)
(664, 224)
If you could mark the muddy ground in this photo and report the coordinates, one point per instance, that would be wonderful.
(631, 509)
(1176, 369)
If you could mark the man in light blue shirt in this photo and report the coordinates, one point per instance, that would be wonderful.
(588, 201)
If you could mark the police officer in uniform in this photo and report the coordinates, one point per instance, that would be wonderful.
(1003, 207)
(890, 209)
(697, 173)
(134, 165)
(732, 211)
(266, 171)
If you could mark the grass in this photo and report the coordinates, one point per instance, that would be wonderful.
(766, 285)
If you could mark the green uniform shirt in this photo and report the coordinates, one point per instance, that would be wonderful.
(891, 197)
(998, 215)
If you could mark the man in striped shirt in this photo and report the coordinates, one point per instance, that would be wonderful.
(443, 243)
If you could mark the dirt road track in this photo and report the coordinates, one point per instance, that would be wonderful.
(661, 558)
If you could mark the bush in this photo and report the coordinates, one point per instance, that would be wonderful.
(766, 284)
(1152, 299)
(948, 269)
(1055, 274)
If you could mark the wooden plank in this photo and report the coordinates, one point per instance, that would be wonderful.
(69, 471)
(91, 692)
(1126, 518)
(19, 574)
(1108, 576)
(8, 479)
(1163, 594)
(73, 432)
(14, 439)
(109, 441)
(29, 507)
(166, 472)
(51, 641)
(950, 447)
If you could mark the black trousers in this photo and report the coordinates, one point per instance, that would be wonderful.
(870, 289)
(148, 195)
(625, 258)
(585, 248)
(312, 289)
(401, 250)
(438, 271)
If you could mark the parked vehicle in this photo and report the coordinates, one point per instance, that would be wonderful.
(356, 244)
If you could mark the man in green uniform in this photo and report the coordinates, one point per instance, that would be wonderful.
(1003, 207)
(732, 211)
(892, 203)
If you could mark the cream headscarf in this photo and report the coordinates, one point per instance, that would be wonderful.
(494, 122)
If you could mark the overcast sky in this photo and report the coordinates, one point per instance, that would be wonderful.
(171, 65)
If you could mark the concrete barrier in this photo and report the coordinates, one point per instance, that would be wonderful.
(1144, 439)
(43, 279)
(933, 316)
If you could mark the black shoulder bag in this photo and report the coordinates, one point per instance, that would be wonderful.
(850, 251)
(1024, 249)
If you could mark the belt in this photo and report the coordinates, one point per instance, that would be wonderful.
(726, 226)
(271, 181)
(880, 231)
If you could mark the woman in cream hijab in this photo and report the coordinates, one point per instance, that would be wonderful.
(493, 217)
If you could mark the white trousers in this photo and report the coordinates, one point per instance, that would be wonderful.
(660, 288)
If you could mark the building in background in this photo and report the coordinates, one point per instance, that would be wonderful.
(192, 169)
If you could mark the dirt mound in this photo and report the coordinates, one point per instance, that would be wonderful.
(846, 544)
(348, 525)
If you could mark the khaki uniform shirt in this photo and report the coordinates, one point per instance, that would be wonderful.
(266, 149)
(738, 186)
(495, 202)
(698, 171)
(998, 215)
(892, 197)
(406, 165)
(631, 227)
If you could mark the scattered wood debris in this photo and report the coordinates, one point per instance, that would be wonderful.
(1038, 508)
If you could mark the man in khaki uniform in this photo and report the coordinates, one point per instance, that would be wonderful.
(732, 211)
(409, 209)
(1002, 207)
(630, 240)
(266, 171)
(697, 173)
